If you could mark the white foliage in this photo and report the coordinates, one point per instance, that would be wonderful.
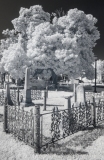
(15, 60)
(11, 38)
(65, 45)
(29, 18)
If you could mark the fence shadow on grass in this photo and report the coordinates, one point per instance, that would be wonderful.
(64, 149)
(88, 137)
(78, 143)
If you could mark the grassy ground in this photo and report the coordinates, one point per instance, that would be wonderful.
(83, 145)
(80, 146)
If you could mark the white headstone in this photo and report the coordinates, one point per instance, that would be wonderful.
(80, 94)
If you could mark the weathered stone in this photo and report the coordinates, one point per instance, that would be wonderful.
(67, 102)
(80, 94)
(27, 79)
(27, 101)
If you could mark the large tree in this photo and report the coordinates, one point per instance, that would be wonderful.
(65, 45)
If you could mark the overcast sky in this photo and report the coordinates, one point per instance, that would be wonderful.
(9, 9)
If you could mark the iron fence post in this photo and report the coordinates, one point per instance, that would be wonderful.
(45, 98)
(47, 91)
(86, 106)
(37, 148)
(17, 96)
(5, 116)
(94, 113)
(67, 105)
(74, 92)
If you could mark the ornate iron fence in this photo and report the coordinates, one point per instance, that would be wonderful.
(2, 98)
(1, 86)
(20, 95)
(13, 95)
(64, 123)
(43, 130)
(36, 94)
(99, 111)
(21, 123)
(97, 96)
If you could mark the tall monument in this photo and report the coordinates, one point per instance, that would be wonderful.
(27, 101)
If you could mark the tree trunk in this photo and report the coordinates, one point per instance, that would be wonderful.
(54, 78)
(4, 76)
(18, 82)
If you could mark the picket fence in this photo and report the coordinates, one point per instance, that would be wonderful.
(41, 131)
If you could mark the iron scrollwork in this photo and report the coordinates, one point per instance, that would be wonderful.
(66, 123)
(36, 94)
(20, 123)
(55, 125)
(2, 98)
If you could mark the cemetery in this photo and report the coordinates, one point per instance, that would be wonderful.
(43, 97)
(41, 125)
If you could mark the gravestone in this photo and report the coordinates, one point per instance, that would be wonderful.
(27, 101)
(80, 94)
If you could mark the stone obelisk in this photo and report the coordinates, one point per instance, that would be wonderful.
(27, 101)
